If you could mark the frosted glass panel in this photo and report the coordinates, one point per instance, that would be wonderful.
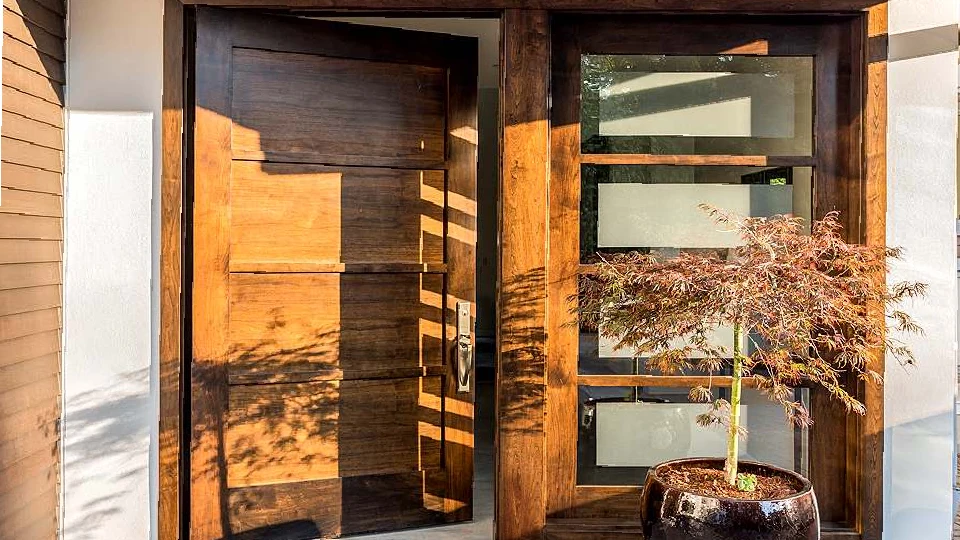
(721, 336)
(726, 105)
(723, 104)
(645, 434)
(624, 431)
(666, 215)
(654, 208)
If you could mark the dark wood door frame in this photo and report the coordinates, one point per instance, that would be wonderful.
(524, 239)
(830, 42)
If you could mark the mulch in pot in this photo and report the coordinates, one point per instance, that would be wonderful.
(711, 482)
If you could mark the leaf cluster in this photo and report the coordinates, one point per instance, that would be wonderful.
(814, 308)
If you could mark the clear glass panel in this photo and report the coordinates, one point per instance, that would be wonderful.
(624, 431)
(657, 104)
(654, 208)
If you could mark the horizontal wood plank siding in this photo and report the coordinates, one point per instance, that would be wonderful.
(31, 266)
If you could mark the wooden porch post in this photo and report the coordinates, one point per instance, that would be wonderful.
(522, 287)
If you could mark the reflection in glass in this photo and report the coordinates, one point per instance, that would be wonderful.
(658, 104)
(624, 431)
(654, 208)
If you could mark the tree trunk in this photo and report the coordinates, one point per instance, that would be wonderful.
(733, 437)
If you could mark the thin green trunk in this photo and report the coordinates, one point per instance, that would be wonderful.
(733, 438)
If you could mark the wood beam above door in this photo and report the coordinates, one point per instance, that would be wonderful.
(703, 6)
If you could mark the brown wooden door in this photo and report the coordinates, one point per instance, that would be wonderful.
(644, 122)
(333, 240)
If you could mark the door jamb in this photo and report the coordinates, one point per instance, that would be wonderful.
(517, 163)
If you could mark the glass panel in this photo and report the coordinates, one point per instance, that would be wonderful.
(654, 208)
(657, 104)
(624, 431)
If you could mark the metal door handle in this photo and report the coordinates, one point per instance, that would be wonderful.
(464, 348)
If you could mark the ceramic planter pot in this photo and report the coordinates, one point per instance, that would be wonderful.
(674, 514)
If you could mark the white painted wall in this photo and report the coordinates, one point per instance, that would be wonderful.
(114, 78)
(919, 405)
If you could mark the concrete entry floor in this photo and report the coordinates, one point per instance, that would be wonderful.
(481, 528)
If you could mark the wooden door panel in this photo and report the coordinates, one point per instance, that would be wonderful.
(326, 271)
(576, 506)
(311, 108)
(335, 214)
(333, 325)
(322, 430)
(338, 506)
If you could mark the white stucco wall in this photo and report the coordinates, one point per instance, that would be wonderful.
(114, 78)
(921, 197)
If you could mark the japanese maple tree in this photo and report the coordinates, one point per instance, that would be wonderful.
(811, 308)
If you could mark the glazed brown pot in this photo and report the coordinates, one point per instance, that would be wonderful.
(674, 514)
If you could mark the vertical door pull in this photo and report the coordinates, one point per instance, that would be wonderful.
(464, 348)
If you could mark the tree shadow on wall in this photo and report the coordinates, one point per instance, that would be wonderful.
(293, 451)
(103, 428)
(522, 369)
(285, 421)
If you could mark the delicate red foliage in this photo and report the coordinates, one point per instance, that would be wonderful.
(813, 307)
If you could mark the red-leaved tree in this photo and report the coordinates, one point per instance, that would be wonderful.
(813, 308)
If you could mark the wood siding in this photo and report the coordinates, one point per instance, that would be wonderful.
(31, 269)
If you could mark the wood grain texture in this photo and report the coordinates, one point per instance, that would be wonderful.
(32, 322)
(171, 273)
(354, 116)
(30, 395)
(874, 55)
(24, 373)
(751, 6)
(31, 232)
(335, 214)
(37, 61)
(461, 138)
(15, 26)
(335, 507)
(30, 251)
(324, 430)
(835, 470)
(321, 372)
(18, 301)
(16, 276)
(33, 107)
(15, 498)
(30, 203)
(31, 82)
(563, 270)
(599, 529)
(38, 228)
(31, 155)
(57, 6)
(695, 160)
(311, 267)
(31, 179)
(211, 292)
(28, 130)
(34, 468)
(522, 294)
(660, 381)
(284, 323)
(41, 526)
(40, 13)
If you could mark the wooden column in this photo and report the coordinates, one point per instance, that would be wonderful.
(171, 279)
(522, 286)
(875, 227)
